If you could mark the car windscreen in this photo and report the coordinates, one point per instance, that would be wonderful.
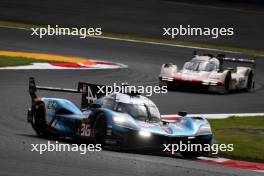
(191, 66)
(200, 66)
(139, 111)
(207, 66)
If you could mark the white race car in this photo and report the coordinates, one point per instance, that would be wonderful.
(207, 71)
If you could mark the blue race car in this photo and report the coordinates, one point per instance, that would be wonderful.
(116, 121)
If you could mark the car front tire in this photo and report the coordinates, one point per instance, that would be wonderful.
(100, 128)
(250, 82)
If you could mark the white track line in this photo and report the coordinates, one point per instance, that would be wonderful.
(217, 116)
(163, 44)
(218, 159)
(144, 42)
(259, 171)
(147, 42)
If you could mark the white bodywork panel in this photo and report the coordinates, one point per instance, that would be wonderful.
(205, 69)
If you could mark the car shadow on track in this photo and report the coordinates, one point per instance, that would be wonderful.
(138, 152)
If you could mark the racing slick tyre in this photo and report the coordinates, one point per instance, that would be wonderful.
(100, 128)
(250, 82)
(226, 83)
(163, 83)
(38, 120)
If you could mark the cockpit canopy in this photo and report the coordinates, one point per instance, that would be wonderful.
(139, 107)
(207, 65)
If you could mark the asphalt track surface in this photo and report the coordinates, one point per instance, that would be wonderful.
(147, 17)
(144, 61)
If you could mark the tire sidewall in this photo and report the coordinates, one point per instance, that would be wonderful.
(37, 124)
(227, 82)
(250, 81)
(100, 128)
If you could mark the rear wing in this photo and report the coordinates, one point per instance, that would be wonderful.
(90, 92)
(223, 59)
(238, 60)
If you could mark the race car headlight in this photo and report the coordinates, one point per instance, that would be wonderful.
(119, 119)
(124, 121)
(204, 130)
(144, 134)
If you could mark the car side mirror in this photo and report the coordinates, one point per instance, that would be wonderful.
(182, 113)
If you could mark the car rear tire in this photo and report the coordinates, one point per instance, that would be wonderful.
(163, 83)
(100, 128)
(38, 120)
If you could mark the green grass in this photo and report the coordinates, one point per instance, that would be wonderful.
(246, 133)
(15, 61)
(246, 51)
(18, 25)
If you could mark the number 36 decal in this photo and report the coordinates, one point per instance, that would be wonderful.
(85, 130)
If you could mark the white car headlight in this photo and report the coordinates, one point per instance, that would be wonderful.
(204, 129)
(144, 134)
(124, 121)
(119, 119)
